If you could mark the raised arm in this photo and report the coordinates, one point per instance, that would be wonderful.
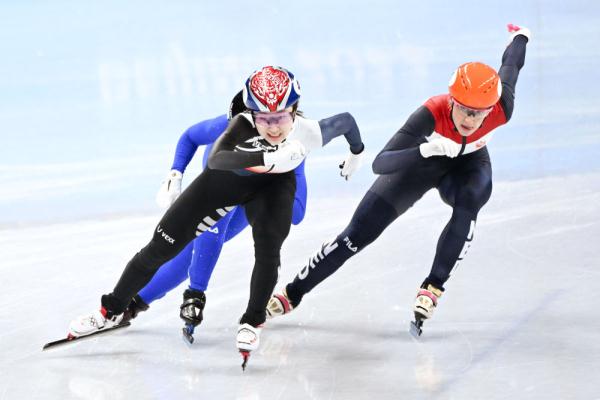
(513, 60)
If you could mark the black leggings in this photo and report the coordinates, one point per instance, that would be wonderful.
(268, 200)
(464, 183)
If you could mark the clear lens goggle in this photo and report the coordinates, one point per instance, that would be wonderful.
(472, 112)
(277, 118)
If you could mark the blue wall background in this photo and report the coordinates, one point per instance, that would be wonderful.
(94, 95)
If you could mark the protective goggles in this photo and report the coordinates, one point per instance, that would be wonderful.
(472, 112)
(277, 118)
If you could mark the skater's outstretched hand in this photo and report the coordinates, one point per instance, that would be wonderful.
(351, 164)
(515, 30)
(170, 189)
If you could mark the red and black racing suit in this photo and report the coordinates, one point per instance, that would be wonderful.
(464, 182)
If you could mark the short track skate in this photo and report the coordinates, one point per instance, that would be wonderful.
(188, 333)
(245, 356)
(416, 326)
(70, 338)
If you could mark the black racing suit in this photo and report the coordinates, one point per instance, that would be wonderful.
(267, 199)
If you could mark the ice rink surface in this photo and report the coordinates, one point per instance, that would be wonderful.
(93, 99)
(518, 319)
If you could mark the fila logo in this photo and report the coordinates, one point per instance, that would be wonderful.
(348, 242)
(325, 250)
(168, 238)
(207, 224)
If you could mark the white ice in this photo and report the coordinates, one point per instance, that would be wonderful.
(518, 320)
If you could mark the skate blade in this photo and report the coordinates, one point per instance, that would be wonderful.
(415, 328)
(245, 355)
(70, 338)
(188, 332)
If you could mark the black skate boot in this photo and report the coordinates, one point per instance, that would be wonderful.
(191, 312)
(136, 306)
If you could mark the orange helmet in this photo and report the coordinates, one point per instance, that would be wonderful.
(475, 85)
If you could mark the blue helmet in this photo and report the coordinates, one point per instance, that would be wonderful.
(271, 89)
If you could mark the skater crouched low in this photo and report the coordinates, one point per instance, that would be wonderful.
(251, 164)
(442, 145)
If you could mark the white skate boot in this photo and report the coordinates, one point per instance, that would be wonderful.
(88, 324)
(279, 304)
(248, 339)
(425, 304)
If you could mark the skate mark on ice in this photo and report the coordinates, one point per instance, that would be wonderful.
(495, 345)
